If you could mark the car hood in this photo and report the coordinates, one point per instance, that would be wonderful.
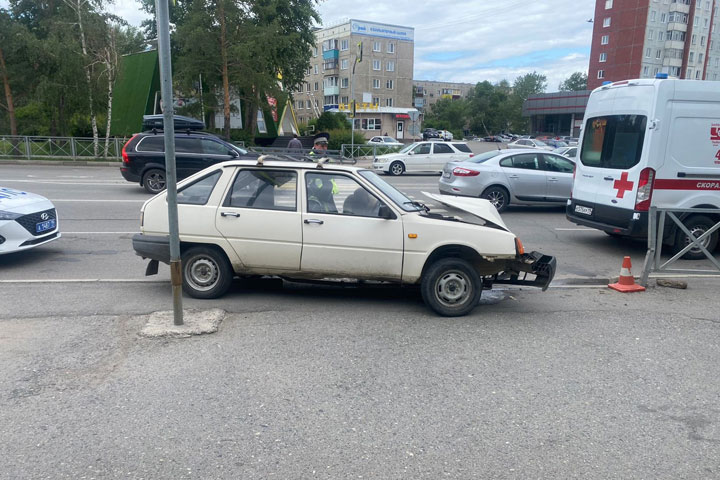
(388, 156)
(14, 200)
(476, 206)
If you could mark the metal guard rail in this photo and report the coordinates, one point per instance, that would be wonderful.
(656, 232)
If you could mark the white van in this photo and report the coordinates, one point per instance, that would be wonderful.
(649, 142)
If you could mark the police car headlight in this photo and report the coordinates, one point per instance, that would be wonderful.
(4, 215)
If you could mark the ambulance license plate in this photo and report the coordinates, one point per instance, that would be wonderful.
(583, 210)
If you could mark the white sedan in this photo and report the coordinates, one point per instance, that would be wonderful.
(422, 157)
(26, 220)
(530, 143)
(385, 141)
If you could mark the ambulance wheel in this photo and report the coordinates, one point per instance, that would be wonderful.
(498, 196)
(697, 224)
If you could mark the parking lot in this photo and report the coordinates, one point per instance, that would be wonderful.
(318, 382)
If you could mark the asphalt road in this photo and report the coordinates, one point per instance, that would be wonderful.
(317, 382)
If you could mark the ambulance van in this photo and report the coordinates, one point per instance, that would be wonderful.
(649, 142)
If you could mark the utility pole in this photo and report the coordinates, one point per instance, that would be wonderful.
(162, 18)
(202, 103)
(358, 59)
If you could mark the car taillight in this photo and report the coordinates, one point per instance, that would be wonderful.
(125, 158)
(645, 189)
(464, 172)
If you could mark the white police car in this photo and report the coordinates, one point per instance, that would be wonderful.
(26, 220)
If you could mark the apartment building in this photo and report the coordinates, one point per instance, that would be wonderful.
(427, 92)
(640, 38)
(382, 84)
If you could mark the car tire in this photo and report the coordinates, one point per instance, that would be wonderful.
(451, 287)
(397, 168)
(498, 196)
(207, 273)
(697, 224)
(154, 181)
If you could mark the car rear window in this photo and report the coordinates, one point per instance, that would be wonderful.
(198, 192)
(462, 147)
(613, 141)
(484, 156)
(151, 144)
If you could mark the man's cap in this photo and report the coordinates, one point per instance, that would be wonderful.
(322, 137)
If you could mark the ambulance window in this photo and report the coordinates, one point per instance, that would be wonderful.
(614, 141)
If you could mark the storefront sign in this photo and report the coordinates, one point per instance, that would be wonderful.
(381, 30)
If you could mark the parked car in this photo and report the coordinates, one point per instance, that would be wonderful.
(445, 135)
(429, 133)
(554, 143)
(507, 177)
(571, 141)
(385, 141)
(492, 138)
(143, 156)
(27, 220)
(422, 157)
(529, 143)
(570, 152)
(302, 221)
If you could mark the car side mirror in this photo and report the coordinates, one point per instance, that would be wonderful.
(411, 153)
(385, 212)
(233, 153)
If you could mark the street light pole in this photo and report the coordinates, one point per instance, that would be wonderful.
(162, 18)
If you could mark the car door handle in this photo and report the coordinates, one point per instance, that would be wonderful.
(229, 214)
(552, 179)
(609, 179)
(514, 176)
(313, 221)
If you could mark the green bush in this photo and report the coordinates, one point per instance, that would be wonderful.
(339, 137)
(32, 119)
(331, 121)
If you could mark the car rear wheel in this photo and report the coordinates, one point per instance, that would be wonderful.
(397, 168)
(697, 224)
(498, 196)
(451, 287)
(154, 181)
(207, 273)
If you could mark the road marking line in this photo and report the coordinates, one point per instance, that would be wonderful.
(576, 230)
(98, 233)
(49, 182)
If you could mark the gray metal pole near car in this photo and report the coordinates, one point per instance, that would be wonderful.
(163, 28)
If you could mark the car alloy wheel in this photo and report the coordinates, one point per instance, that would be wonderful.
(397, 168)
(154, 181)
(497, 196)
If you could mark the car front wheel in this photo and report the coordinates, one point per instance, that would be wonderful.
(154, 181)
(207, 273)
(498, 196)
(451, 287)
(397, 168)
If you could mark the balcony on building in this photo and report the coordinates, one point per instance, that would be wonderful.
(332, 90)
(682, 7)
(674, 45)
(677, 26)
(330, 67)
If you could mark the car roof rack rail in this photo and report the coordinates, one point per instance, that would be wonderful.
(155, 123)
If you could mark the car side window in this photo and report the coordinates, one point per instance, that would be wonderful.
(527, 162)
(263, 189)
(462, 147)
(212, 147)
(339, 194)
(187, 145)
(442, 148)
(506, 162)
(151, 144)
(557, 164)
(422, 149)
(198, 192)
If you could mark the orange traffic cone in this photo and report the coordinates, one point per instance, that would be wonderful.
(626, 282)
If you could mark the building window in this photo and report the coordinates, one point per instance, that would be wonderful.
(652, 15)
(344, 82)
(697, 75)
(376, 83)
(661, 35)
(377, 47)
(315, 51)
(308, 104)
(702, 41)
(691, 58)
(651, 34)
(307, 86)
(601, 74)
(388, 102)
(391, 66)
(344, 64)
(646, 70)
(299, 104)
(603, 57)
(371, 124)
(376, 101)
(658, 54)
(343, 44)
(693, 39)
(344, 100)
(390, 47)
(261, 122)
(608, 4)
(390, 84)
(648, 52)
(606, 22)
(605, 39)
(317, 85)
(700, 58)
(376, 65)
(663, 17)
(315, 69)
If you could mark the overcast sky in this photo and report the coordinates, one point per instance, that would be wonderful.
(471, 40)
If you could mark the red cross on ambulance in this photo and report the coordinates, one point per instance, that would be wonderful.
(623, 185)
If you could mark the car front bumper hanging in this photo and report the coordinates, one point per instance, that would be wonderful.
(535, 263)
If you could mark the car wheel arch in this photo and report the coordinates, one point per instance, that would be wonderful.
(464, 252)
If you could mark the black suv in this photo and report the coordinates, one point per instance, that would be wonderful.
(143, 156)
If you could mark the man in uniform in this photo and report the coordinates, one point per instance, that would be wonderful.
(320, 144)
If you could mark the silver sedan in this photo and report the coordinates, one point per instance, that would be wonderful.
(505, 177)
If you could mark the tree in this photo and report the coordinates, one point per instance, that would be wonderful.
(6, 37)
(574, 83)
(448, 114)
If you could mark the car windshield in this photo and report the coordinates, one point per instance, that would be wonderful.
(408, 148)
(241, 151)
(484, 156)
(393, 193)
(613, 141)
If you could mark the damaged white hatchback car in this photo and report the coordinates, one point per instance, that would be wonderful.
(308, 221)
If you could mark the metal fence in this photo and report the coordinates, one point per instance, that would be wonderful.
(366, 150)
(75, 148)
(295, 154)
(656, 234)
